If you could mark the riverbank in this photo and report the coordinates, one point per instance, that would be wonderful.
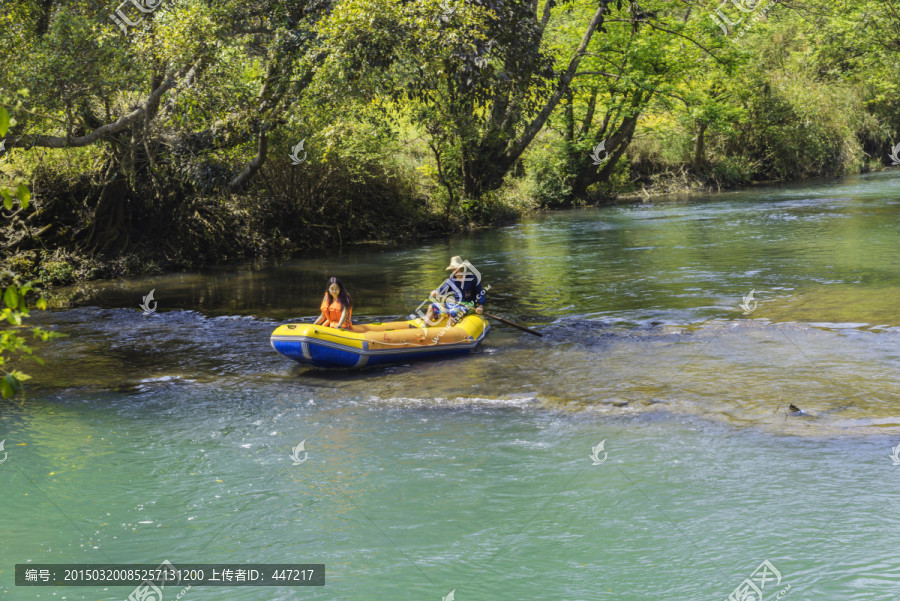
(235, 227)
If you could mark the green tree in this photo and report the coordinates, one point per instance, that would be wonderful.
(15, 307)
(649, 54)
(480, 79)
(192, 85)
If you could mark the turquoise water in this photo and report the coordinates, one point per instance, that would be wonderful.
(170, 436)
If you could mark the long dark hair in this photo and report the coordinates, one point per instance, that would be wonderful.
(343, 296)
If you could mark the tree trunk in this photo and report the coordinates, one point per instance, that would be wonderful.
(43, 22)
(485, 165)
(587, 173)
(111, 219)
(243, 178)
(484, 169)
(570, 116)
(617, 142)
(700, 149)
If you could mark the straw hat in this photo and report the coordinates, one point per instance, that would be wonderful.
(455, 263)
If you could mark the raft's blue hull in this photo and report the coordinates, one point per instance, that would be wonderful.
(321, 354)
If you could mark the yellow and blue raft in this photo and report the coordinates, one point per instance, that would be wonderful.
(378, 343)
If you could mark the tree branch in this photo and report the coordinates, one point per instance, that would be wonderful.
(690, 39)
(518, 146)
(123, 123)
(604, 73)
(241, 179)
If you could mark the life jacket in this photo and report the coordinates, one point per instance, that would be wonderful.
(332, 311)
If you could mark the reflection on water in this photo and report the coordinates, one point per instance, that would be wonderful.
(639, 306)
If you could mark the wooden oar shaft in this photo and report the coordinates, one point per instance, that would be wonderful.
(513, 324)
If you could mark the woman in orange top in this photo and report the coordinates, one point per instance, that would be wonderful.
(336, 306)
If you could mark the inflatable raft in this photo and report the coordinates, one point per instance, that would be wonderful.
(378, 343)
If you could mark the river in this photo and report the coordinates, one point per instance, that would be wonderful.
(170, 435)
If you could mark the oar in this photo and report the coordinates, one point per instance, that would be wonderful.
(513, 324)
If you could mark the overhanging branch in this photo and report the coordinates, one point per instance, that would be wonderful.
(123, 123)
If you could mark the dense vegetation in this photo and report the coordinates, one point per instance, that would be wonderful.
(161, 137)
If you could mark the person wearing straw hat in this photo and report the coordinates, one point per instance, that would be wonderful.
(458, 294)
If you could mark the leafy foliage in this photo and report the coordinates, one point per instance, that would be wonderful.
(14, 308)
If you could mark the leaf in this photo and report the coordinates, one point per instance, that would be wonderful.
(11, 297)
(21, 377)
(4, 121)
(42, 304)
(7, 199)
(6, 388)
(24, 195)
